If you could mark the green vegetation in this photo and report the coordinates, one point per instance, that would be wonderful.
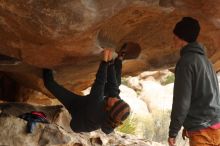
(169, 79)
(128, 126)
(161, 124)
(124, 81)
(153, 127)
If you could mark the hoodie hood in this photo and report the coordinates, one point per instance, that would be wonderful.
(193, 47)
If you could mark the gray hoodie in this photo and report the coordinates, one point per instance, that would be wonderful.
(196, 100)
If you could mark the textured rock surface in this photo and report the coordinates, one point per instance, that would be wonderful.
(55, 114)
(54, 133)
(63, 35)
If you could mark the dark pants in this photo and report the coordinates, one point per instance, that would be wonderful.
(108, 79)
(113, 79)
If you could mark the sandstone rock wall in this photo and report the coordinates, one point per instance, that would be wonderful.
(65, 35)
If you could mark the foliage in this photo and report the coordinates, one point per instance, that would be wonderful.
(169, 79)
(161, 124)
(153, 127)
(128, 126)
(125, 82)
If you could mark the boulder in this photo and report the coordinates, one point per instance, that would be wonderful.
(156, 96)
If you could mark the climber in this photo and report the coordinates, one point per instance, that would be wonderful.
(102, 108)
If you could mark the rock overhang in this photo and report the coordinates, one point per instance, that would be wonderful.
(64, 36)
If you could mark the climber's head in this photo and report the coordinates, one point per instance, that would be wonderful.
(117, 111)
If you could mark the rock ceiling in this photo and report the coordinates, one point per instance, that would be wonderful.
(65, 35)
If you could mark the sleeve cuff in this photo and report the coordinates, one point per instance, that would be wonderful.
(172, 135)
